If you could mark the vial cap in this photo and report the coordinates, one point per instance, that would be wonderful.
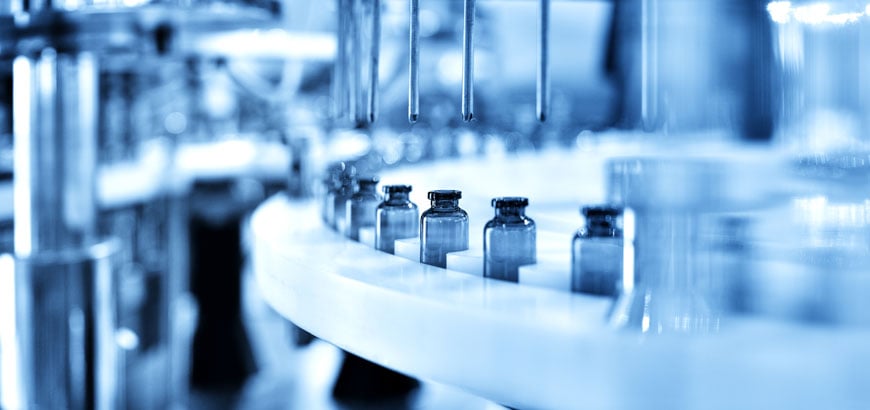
(510, 202)
(368, 180)
(444, 194)
(600, 211)
(392, 189)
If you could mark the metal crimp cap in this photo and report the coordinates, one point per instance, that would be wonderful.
(368, 179)
(600, 211)
(444, 194)
(510, 202)
(392, 189)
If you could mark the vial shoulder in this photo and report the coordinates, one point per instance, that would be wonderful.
(366, 196)
(513, 224)
(512, 220)
(457, 213)
(397, 206)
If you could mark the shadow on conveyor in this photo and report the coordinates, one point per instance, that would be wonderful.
(222, 359)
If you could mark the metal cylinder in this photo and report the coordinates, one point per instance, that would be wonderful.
(65, 329)
(65, 280)
(55, 100)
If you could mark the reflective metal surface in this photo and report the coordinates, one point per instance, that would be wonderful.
(65, 304)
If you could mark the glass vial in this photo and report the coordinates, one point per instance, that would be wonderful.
(338, 186)
(509, 239)
(596, 260)
(443, 228)
(362, 206)
(396, 218)
(330, 187)
(344, 192)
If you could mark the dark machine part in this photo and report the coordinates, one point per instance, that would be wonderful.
(361, 381)
(221, 354)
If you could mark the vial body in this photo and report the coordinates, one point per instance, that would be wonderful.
(395, 218)
(596, 265)
(361, 207)
(509, 240)
(339, 202)
(597, 253)
(331, 185)
(327, 208)
(443, 228)
(339, 186)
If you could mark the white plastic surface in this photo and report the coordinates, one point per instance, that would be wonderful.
(536, 348)
(408, 249)
(551, 273)
(367, 237)
(470, 261)
(526, 346)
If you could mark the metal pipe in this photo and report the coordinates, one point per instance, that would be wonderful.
(358, 101)
(340, 69)
(55, 100)
(375, 57)
(64, 280)
(468, 62)
(414, 65)
(543, 95)
(649, 98)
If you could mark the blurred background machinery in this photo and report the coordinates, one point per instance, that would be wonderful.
(137, 137)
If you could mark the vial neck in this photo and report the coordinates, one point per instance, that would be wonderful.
(445, 204)
(397, 197)
(603, 226)
(368, 187)
(510, 212)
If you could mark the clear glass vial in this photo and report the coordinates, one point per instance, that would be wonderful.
(331, 185)
(596, 260)
(346, 185)
(395, 218)
(509, 239)
(362, 205)
(338, 184)
(443, 228)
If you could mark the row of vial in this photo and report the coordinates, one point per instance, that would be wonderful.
(509, 238)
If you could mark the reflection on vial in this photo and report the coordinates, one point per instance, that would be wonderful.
(443, 228)
(362, 206)
(396, 218)
(596, 264)
(509, 239)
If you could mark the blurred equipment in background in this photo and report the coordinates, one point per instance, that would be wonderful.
(723, 141)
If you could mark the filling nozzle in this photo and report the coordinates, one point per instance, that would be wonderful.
(468, 62)
(543, 94)
(414, 63)
(375, 50)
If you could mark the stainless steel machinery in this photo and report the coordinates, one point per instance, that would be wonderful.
(137, 136)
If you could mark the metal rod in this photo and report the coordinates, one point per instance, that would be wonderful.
(468, 62)
(414, 65)
(543, 95)
(375, 56)
(356, 63)
(66, 347)
(649, 98)
(340, 72)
